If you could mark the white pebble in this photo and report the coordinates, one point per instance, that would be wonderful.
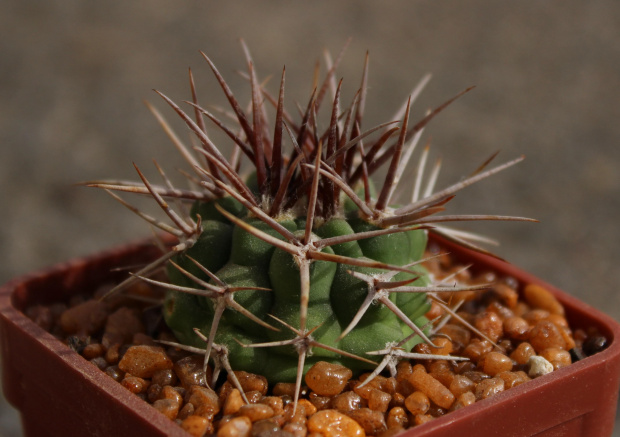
(538, 366)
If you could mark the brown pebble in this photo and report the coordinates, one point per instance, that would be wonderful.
(85, 318)
(522, 353)
(332, 423)
(295, 430)
(346, 401)
(397, 417)
(144, 361)
(373, 422)
(115, 373)
(476, 349)
(461, 384)
(167, 407)
(185, 412)
(512, 379)
(196, 426)
(417, 403)
(432, 388)
(464, 400)
(459, 335)
(112, 355)
(164, 377)
(153, 393)
(490, 324)
(546, 335)
(93, 350)
(275, 402)
(488, 388)
(444, 346)
(327, 379)
(265, 428)
(135, 384)
(379, 400)
(255, 411)
(558, 357)
(233, 402)
(539, 297)
(121, 326)
(422, 418)
(516, 328)
(237, 427)
(190, 372)
(41, 315)
(169, 392)
(205, 401)
(251, 382)
(496, 362)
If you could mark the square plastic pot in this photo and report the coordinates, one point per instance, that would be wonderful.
(59, 393)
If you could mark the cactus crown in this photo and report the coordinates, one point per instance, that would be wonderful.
(302, 256)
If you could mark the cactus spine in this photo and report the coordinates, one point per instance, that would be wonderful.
(302, 261)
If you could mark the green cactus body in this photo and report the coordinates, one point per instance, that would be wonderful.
(242, 260)
(305, 260)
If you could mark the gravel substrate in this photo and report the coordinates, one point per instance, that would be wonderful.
(515, 340)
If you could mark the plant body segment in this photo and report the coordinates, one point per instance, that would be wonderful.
(304, 260)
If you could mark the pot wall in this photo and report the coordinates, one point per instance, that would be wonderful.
(60, 393)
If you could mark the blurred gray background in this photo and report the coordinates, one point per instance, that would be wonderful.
(73, 76)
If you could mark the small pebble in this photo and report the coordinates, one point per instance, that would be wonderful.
(545, 335)
(522, 353)
(397, 417)
(496, 362)
(196, 426)
(237, 427)
(538, 366)
(144, 361)
(233, 402)
(189, 370)
(121, 326)
(205, 401)
(417, 403)
(167, 407)
(256, 412)
(432, 388)
(489, 387)
(557, 357)
(135, 384)
(327, 379)
(346, 401)
(372, 422)
(332, 423)
(251, 382)
(539, 297)
(85, 318)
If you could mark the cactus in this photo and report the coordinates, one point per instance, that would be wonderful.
(304, 259)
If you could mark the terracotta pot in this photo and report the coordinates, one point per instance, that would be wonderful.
(60, 393)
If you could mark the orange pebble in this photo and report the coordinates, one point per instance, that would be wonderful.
(327, 379)
(490, 324)
(558, 357)
(417, 403)
(522, 353)
(397, 417)
(539, 297)
(444, 346)
(496, 362)
(332, 423)
(461, 384)
(196, 426)
(545, 335)
(237, 427)
(432, 388)
(516, 328)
